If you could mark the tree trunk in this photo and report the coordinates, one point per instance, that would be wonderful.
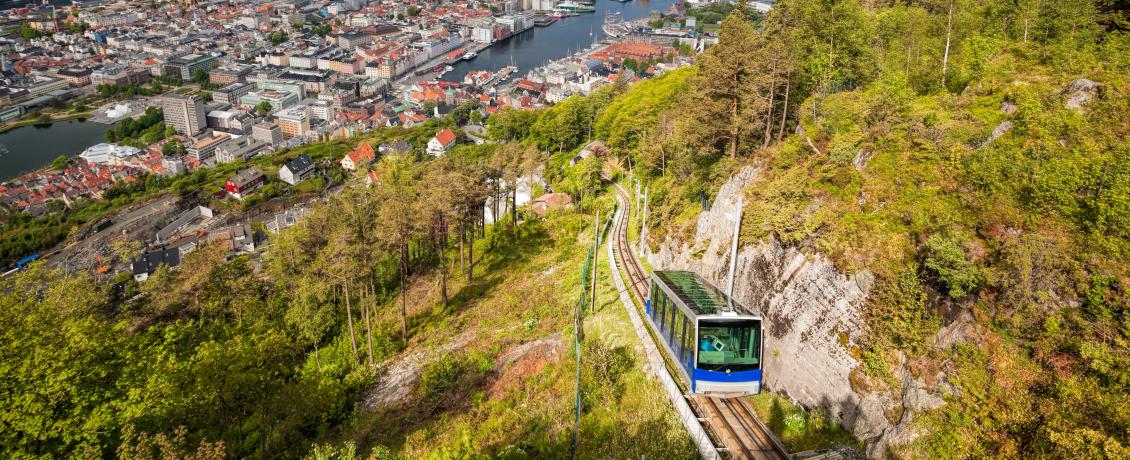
(471, 257)
(785, 112)
(349, 315)
(735, 126)
(769, 110)
(443, 259)
(368, 331)
(949, 34)
(403, 294)
(496, 209)
(317, 357)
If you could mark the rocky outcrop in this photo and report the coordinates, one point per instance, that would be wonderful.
(1080, 92)
(813, 317)
(999, 131)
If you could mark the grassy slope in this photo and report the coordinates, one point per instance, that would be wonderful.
(525, 290)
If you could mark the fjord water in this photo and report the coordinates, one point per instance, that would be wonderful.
(539, 45)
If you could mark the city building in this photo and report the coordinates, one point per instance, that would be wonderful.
(267, 132)
(108, 153)
(172, 165)
(230, 94)
(40, 85)
(183, 112)
(229, 74)
(185, 66)
(351, 40)
(119, 75)
(293, 122)
(220, 119)
(239, 148)
(205, 147)
(76, 77)
(322, 110)
(279, 94)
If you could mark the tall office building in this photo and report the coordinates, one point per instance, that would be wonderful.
(184, 113)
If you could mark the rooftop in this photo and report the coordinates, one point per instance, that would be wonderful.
(149, 261)
(299, 164)
(697, 294)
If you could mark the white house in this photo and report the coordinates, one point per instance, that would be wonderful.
(297, 170)
(441, 143)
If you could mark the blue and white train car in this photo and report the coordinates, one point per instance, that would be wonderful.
(717, 342)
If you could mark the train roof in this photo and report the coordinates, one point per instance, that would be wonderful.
(697, 294)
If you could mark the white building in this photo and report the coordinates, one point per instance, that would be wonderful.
(441, 143)
(108, 153)
(297, 170)
(482, 34)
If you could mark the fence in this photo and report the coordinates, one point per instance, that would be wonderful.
(588, 286)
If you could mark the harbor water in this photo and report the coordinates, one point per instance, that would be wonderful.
(539, 45)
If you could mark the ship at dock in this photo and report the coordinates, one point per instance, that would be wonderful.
(614, 25)
(544, 20)
(574, 7)
(505, 73)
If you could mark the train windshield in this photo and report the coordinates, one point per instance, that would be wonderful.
(729, 345)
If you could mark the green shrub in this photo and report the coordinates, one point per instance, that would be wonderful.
(945, 257)
(440, 376)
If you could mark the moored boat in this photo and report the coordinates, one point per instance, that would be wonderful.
(574, 7)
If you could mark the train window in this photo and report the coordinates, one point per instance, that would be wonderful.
(677, 331)
(729, 345)
(684, 342)
(672, 313)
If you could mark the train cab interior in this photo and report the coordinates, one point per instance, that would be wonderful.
(729, 345)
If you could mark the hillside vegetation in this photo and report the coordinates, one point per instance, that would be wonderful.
(971, 155)
(950, 147)
(393, 322)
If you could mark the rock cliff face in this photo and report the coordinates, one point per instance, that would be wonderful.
(813, 315)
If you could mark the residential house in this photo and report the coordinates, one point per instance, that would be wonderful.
(244, 182)
(441, 143)
(395, 148)
(357, 157)
(550, 201)
(148, 262)
(297, 170)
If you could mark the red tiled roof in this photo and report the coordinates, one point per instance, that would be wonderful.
(446, 137)
(361, 154)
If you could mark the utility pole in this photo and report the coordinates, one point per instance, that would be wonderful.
(637, 208)
(734, 247)
(643, 228)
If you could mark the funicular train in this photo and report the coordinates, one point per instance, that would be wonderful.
(717, 342)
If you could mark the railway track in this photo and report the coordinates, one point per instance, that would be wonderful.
(637, 280)
(731, 422)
